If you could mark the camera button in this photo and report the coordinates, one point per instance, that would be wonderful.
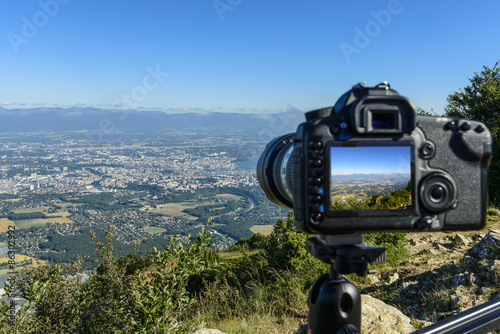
(479, 129)
(335, 129)
(437, 193)
(317, 199)
(427, 149)
(317, 217)
(317, 163)
(317, 145)
(466, 126)
(451, 125)
(317, 181)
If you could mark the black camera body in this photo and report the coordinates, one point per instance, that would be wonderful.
(370, 164)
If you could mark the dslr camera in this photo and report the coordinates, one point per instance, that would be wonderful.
(370, 164)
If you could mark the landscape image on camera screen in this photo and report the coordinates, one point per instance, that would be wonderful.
(370, 178)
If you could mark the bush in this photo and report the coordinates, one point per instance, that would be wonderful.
(128, 295)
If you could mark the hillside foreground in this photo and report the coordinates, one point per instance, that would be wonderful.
(441, 275)
(258, 286)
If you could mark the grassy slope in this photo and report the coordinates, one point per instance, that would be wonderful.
(387, 282)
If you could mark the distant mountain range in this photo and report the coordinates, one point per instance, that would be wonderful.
(395, 177)
(63, 119)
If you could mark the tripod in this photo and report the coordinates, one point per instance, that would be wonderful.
(334, 302)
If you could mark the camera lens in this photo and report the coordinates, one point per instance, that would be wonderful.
(275, 171)
(437, 192)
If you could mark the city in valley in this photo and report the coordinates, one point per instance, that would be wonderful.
(57, 187)
(363, 186)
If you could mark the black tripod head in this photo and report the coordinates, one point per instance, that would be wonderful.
(348, 254)
(334, 302)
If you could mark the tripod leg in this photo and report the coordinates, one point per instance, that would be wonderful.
(334, 306)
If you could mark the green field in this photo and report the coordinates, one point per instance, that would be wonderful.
(262, 229)
(155, 230)
(23, 224)
(229, 196)
(176, 209)
(39, 209)
(13, 199)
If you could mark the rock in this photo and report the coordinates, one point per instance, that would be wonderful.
(389, 278)
(378, 317)
(466, 278)
(487, 278)
(460, 298)
(494, 267)
(441, 248)
(482, 250)
(394, 278)
(429, 250)
(459, 240)
(468, 259)
(207, 331)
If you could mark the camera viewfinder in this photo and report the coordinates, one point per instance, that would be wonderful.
(383, 120)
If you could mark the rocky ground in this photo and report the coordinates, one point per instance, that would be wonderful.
(445, 274)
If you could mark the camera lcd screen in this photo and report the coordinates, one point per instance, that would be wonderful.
(370, 177)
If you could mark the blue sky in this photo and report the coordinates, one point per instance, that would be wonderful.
(370, 160)
(238, 55)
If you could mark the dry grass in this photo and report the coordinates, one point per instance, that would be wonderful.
(5, 223)
(13, 199)
(65, 205)
(18, 258)
(262, 229)
(60, 220)
(229, 196)
(176, 210)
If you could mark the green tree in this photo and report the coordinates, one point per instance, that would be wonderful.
(481, 101)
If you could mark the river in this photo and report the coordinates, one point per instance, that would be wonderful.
(247, 165)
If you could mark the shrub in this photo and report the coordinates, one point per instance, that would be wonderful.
(128, 295)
